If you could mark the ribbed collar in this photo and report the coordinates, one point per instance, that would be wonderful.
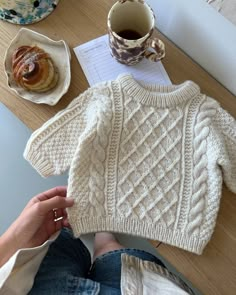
(162, 96)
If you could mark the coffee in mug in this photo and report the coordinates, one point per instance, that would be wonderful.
(130, 27)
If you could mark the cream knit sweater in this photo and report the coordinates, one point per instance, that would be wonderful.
(143, 160)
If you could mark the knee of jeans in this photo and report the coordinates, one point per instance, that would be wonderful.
(68, 249)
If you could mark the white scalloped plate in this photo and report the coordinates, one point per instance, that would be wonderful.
(60, 54)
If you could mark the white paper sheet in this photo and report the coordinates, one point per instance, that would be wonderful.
(98, 64)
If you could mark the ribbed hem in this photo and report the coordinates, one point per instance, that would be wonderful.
(43, 167)
(162, 96)
(137, 228)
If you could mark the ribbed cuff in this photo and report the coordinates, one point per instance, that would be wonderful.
(137, 228)
(42, 165)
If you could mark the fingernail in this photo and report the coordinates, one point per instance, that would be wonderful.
(70, 200)
(66, 223)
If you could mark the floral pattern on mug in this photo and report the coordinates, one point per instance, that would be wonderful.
(130, 27)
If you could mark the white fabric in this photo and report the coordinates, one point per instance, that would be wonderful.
(155, 284)
(146, 160)
(17, 274)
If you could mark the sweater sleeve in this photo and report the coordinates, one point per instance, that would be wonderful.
(50, 149)
(17, 274)
(226, 126)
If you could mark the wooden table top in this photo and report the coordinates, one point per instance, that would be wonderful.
(214, 272)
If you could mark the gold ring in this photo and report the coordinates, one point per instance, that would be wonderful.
(56, 217)
(55, 214)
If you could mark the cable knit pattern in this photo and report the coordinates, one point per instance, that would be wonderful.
(98, 157)
(200, 174)
(146, 160)
(91, 165)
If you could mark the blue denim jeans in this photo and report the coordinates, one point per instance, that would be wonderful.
(67, 269)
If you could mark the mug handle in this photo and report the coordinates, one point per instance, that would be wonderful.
(159, 49)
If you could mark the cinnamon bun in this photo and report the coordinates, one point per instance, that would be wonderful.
(33, 69)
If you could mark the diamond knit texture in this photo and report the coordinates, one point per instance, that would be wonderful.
(145, 160)
(148, 187)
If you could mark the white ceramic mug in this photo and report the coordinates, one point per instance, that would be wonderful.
(130, 26)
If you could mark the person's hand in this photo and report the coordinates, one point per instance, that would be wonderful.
(43, 216)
